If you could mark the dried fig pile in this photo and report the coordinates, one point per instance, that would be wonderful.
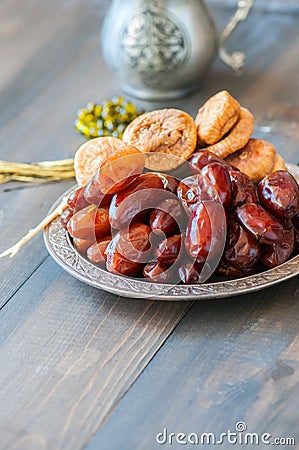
(225, 128)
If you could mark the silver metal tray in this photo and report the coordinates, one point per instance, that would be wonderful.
(61, 249)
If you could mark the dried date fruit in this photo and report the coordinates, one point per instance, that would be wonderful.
(215, 179)
(168, 218)
(94, 196)
(66, 216)
(119, 265)
(189, 192)
(168, 250)
(190, 272)
(117, 171)
(89, 223)
(242, 250)
(202, 158)
(233, 272)
(279, 194)
(261, 224)
(145, 192)
(295, 222)
(76, 200)
(96, 253)
(128, 250)
(199, 233)
(243, 189)
(82, 244)
(256, 159)
(276, 254)
(206, 232)
(134, 242)
(159, 272)
(212, 183)
(216, 117)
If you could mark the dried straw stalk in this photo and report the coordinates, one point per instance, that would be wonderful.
(12, 251)
(36, 173)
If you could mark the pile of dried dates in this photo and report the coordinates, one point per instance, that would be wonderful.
(210, 220)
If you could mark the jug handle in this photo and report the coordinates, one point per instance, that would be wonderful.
(235, 60)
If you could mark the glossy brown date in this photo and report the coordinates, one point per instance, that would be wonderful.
(168, 250)
(242, 250)
(206, 231)
(159, 272)
(168, 218)
(279, 194)
(212, 183)
(234, 272)
(134, 242)
(276, 254)
(96, 252)
(144, 192)
(89, 223)
(295, 222)
(82, 244)
(189, 192)
(117, 171)
(66, 216)
(190, 272)
(202, 158)
(128, 250)
(243, 189)
(94, 196)
(76, 199)
(261, 224)
(216, 183)
(118, 264)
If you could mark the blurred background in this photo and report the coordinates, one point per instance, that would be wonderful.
(52, 65)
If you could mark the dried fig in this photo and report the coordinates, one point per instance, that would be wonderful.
(217, 116)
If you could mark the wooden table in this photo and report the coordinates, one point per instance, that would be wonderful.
(80, 367)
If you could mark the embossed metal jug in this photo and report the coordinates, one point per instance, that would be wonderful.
(161, 49)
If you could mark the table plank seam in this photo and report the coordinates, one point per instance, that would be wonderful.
(24, 282)
(129, 387)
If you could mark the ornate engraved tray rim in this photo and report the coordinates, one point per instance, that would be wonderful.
(60, 248)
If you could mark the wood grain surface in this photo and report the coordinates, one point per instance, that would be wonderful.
(70, 354)
(227, 361)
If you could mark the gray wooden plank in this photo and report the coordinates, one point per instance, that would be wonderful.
(21, 210)
(227, 361)
(39, 98)
(68, 353)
